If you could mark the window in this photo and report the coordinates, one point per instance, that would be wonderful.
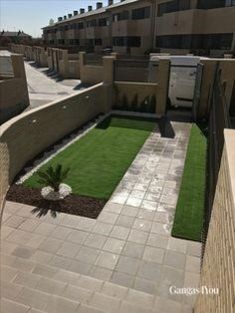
(80, 25)
(207, 42)
(61, 41)
(132, 41)
(212, 4)
(103, 22)
(173, 6)
(98, 42)
(141, 13)
(124, 15)
(91, 23)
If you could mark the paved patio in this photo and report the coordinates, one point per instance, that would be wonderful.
(125, 261)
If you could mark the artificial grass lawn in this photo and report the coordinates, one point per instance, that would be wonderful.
(189, 211)
(99, 160)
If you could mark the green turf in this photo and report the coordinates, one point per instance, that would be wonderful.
(99, 160)
(189, 211)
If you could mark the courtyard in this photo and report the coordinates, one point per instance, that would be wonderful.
(124, 261)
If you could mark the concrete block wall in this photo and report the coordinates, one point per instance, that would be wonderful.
(14, 91)
(218, 268)
(24, 136)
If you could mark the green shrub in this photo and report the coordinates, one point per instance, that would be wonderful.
(53, 177)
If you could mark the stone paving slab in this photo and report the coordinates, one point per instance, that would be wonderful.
(128, 249)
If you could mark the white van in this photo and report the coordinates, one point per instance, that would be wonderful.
(182, 78)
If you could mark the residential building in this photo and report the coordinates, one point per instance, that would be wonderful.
(137, 27)
(14, 37)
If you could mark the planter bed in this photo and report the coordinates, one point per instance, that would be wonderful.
(97, 163)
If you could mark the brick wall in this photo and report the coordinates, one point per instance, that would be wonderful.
(23, 137)
(218, 269)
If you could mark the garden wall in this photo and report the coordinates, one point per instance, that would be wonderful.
(24, 136)
(218, 268)
(14, 97)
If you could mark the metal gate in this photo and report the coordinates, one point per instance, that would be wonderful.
(197, 91)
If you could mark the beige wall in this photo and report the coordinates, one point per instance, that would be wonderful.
(14, 97)
(218, 268)
(23, 137)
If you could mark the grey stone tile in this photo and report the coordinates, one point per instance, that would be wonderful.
(51, 245)
(145, 286)
(77, 236)
(192, 264)
(150, 271)
(41, 256)
(45, 229)
(175, 259)
(101, 273)
(90, 283)
(80, 267)
(149, 205)
(68, 249)
(153, 254)
(88, 255)
(9, 306)
(122, 279)
(102, 228)
(114, 245)
(105, 302)
(172, 276)
(95, 241)
(133, 249)
(23, 252)
(125, 221)
(135, 202)
(83, 308)
(127, 265)
(114, 290)
(77, 294)
(177, 245)
(107, 260)
(160, 229)
(129, 211)
(44, 270)
(51, 286)
(142, 225)
(146, 214)
(34, 298)
(26, 279)
(60, 305)
(61, 232)
(139, 298)
(120, 232)
(157, 241)
(60, 262)
(15, 221)
(113, 207)
(138, 236)
(107, 217)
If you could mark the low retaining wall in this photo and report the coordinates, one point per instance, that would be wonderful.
(218, 268)
(23, 137)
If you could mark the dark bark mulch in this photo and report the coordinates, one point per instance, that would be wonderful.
(73, 204)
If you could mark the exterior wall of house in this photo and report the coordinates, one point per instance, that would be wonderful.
(150, 32)
(218, 266)
(24, 136)
(13, 90)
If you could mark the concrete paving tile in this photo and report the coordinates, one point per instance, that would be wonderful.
(120, 232)
(138, 236)
(114, 245)
(60, 262)
(77, 236)
(127, 307)
(86, 224)
(26, 279)
(125, 221)
(80, 267)
(19, 236)
(150, 271)
(66, 276)
(146, 286)
(133, 249)
(77, 294)
(107, 217)
(122, 279)
(129, 210)
(113, 207)
(168, 306)
(102, 228)
(87, 255)
(23, 252)
(95, 241)
(193, 264)
(8, 306)
(105, 302)
(175, 259)
(29, 224)
(101, 273)
(50, 286)
(34, 298)
(51, 245)
(114, 290)
(83, 308)
(146, 214)
(142, 225)
(160, 229)
(141, 299)
(149, 205)
(90, 283)
(135, 202)
(8, 273)
(6, 231)
(68, 249)
(44, 270)
(194, 248)
(157, 241)
(107, 260)
(44, 229)
(35, 240)
(61, 305)
(127, 265)
(153, 254)
(177, 245)
(61, 232)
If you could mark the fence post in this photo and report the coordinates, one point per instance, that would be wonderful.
(163, 86)
(108, 79)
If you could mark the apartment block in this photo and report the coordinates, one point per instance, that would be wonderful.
(137, 27)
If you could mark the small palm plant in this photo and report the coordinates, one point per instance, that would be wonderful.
(53, 177)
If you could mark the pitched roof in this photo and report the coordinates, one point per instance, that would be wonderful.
(93, 12)
(14, 34)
